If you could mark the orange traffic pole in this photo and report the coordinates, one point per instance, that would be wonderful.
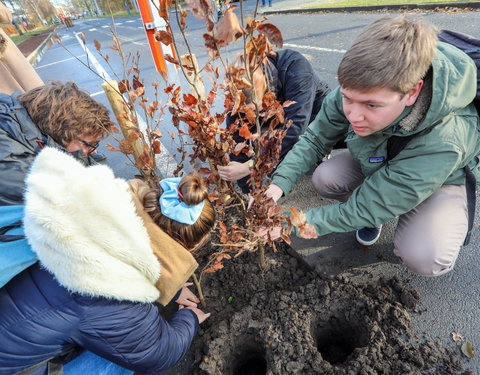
(150, 27)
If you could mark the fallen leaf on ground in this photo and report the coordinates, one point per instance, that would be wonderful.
(467, 349)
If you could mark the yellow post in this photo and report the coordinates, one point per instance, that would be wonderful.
(122, 115)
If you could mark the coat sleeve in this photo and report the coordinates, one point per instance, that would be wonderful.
(321, 135)
(135, 335)
(300, 85)
(398, 187)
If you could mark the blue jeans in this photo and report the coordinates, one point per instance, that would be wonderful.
(89, 363)
(269, 2)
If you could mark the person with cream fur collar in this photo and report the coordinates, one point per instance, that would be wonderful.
(98, 275)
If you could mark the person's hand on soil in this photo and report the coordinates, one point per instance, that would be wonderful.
(233, 171)
(187, 298)
(199, 313)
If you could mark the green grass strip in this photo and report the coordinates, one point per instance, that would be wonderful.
(375, 2)
(17, 38)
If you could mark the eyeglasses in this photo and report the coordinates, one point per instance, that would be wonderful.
(91, 148)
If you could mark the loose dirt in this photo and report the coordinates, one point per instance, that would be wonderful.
(287, 319)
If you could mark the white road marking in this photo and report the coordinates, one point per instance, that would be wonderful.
(166, 164)
(315, 48)
(98, 93)
(57, 62)
(92, 29)
(132, 41)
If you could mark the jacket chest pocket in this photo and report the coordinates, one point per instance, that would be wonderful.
(369, 152)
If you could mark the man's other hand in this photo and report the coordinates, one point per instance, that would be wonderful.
(233, 171)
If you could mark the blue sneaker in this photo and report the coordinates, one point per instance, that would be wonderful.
(368, 236)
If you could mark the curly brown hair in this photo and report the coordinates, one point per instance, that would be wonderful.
(193, 190)
(64, 112)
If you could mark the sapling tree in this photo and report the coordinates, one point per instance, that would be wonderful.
(201, 137)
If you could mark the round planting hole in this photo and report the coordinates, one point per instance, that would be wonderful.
(337, 339)
(250, 362)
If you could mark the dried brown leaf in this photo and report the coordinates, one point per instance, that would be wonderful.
(156, 146)
(125, 147)
(171, 59)
(98, 46)
(163, 36)
(200, 8)
(163, 9)
(272, 33)
(228, 30)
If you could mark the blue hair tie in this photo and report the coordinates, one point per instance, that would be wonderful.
(172, 207)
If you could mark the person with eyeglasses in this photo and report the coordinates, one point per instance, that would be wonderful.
(59, 115)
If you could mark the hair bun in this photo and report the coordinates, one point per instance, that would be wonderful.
(193, 189)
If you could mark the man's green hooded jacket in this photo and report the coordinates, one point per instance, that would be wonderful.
(447, 129)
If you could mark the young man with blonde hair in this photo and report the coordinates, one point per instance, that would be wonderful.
(396, 81)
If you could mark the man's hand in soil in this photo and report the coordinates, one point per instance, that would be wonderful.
(199, 313)
(233, 171)
(187, 298)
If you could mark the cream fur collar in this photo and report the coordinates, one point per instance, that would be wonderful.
(82, 224)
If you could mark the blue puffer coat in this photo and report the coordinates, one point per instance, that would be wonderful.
(95, 283)
(40, 319)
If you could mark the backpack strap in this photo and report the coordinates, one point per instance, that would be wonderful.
(11, 237)
(470, 185)
(396, 144)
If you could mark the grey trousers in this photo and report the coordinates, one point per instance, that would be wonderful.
(428, 238)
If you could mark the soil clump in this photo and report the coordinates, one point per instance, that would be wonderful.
(287, 319)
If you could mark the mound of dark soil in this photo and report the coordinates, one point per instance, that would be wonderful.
(288, 320)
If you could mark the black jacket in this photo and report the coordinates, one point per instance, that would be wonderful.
(297, 82)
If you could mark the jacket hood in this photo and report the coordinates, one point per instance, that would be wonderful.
(447, 88)
(83, 225)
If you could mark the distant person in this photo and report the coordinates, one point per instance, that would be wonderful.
(396, 81)
(290, 76)
(57, 115)
(269, 3)
(16, 73)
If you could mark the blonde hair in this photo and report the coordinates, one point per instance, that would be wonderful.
(193, 191)
(392, 53)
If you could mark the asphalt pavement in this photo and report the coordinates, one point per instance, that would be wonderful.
(449, 303)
